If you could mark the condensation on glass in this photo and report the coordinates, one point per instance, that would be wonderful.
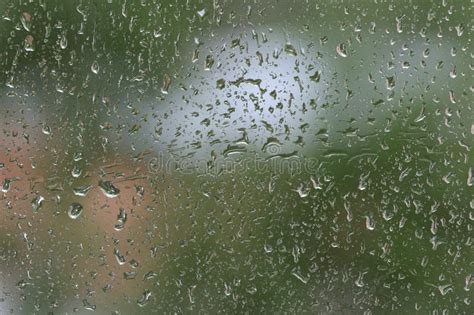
(236, 157)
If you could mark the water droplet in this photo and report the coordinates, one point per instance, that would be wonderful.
(37, 203)
(209, 63)
(363, 181)
(46, 130)
(108, 189)
(29, 41)
(459, 29)
(63, 42)
(95, 67)
(166, 84)
(300, 277)
(144, 299)
(390, 83)
(88, 306)
(77, 156)
(201, 13)
(251, 290)
(302, 191)
(369, 223)
(341, 50)
(76, 171)
(129, 275)
(469, 177)
(120, 258)
(453, 73)
(25, 19)
(122, 218)
(360, 280)
(220, 84)
(445, 289)
(82, 190)
(6, 185)
(150, 275)
(74, 210)
(290, 49)
(452, 98)
(315, 77)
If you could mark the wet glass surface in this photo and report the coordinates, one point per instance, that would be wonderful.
(236, 157)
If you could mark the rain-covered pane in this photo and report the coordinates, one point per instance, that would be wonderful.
(236, 156)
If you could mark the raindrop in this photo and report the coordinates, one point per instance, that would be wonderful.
(201, 13)
(95, 67)
(25, 19)
(166, 84)
(452, 73)
(88, 306)
(144, 299)
(209, 63)
(37, 203)
(74, 210)
(63, 42)
(390, 83)
(6, 185)
(108, 189)
(341, 50)
(290, 49)
(369, 223)
(29, 40)
(82, 190)
(220, 84)
(315, 77)
(76, 171)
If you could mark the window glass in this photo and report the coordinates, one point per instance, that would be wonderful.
(236, 157)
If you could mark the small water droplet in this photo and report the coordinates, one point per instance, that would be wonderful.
(77, 156)
(120, 258)
(341, 50)
(452, 98)
(74, 210)
(166, 84)
(25, 19)
(88, 306)
(108, 189)
(63, 42)
(390, 83)
(29, 40)
(82, 191)
(209, 63)
(201, 13)
(315, 77)
(46, 130)
(76, 171)
(460, 29)
(37, 203)
(129, 275)
(95, 67)
(122, 218)
(453, 73)
(290, 49)
(220, 84)
(6, 185)
(369, 223)
(144, 299)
